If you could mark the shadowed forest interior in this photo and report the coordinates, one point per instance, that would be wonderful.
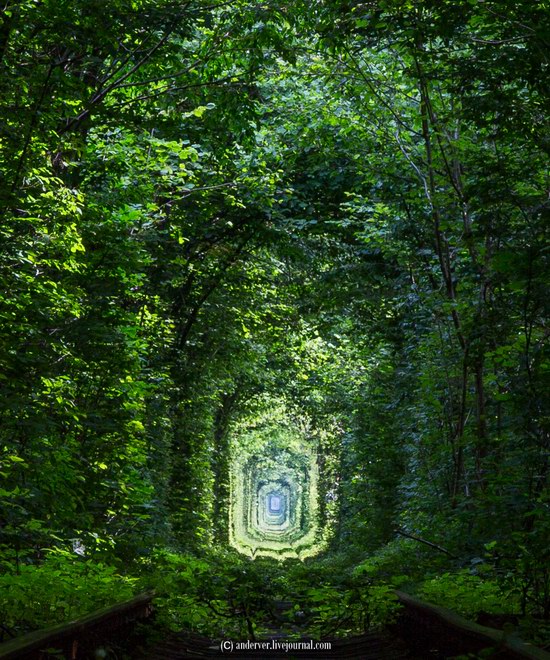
(274, 312)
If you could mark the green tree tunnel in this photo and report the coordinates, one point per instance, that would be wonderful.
(274, 310)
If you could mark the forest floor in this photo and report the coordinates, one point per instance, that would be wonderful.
(370, 646)
(281, 641)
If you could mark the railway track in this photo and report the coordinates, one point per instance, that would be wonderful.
(423, 632)
(370, 646)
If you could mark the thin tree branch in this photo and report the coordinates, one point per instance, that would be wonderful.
(428, 543)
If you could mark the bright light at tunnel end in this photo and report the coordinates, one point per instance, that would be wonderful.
(274, 499)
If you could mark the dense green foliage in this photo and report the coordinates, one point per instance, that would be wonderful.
(209, 211)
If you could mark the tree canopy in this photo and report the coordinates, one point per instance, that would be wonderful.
(283, 243)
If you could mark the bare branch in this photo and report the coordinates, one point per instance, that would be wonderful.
(428, 543)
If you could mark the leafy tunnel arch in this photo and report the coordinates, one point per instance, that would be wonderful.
(274, 279)
(274, 495)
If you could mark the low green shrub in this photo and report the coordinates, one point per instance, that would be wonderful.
(61, 588)
(469, 594)
(219, 594)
